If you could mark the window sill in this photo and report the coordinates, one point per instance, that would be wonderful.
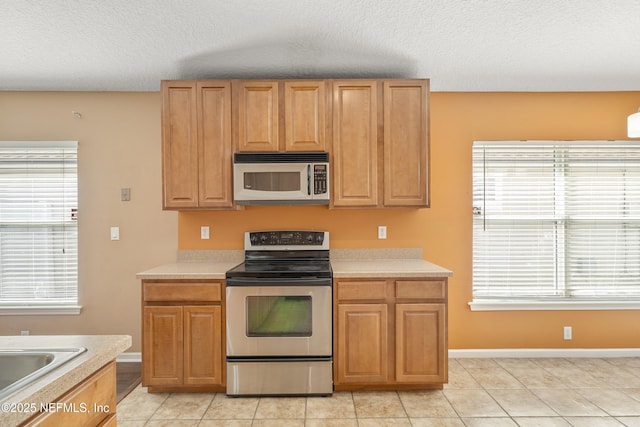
(40, 310)
(552, 305)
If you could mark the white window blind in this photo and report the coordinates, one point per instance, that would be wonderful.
(38, 224)
(556, 221)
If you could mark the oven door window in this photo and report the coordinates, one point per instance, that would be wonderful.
(279, 316)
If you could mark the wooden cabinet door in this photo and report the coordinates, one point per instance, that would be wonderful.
(179, 144)
(258, 119)
(362, 344)
(203, 345)
(214, 144)
(406, 150)
(162, 357)
(355, 143)
(421, 343)
(305, 109)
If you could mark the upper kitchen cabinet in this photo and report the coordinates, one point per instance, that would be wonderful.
(258, 128)
(305, 108)
(215, 150)
(179, 144)
(380, 143)
(355, 143)
(196, 144)
(406, 146)
(285, 115)
(376, 130)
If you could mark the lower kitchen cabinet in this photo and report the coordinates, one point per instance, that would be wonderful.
(162, 353)
(202, 345)
(390, 333)
(93, 402)
(362, 343)
(420, 343)
(182, 336)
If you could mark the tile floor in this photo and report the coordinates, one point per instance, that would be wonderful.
(480, 392)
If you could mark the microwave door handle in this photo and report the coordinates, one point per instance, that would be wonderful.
(308, 179)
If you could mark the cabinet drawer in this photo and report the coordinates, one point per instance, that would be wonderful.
(421, 289)
(362, 290)
(177, 291)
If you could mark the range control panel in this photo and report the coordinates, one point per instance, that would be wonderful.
(287, 239)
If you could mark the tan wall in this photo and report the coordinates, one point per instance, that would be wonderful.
(118, 146)
(119, 137)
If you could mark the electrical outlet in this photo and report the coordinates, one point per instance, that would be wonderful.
(24, 333)
(567, 332)
(204, 232)
(382, 232)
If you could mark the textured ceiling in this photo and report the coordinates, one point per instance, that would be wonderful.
(461, 45)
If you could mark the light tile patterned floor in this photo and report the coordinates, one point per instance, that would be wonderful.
(481, 392)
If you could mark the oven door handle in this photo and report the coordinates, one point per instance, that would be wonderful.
(261, 281)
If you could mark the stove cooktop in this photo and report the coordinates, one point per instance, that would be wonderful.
(282, 269)
(284, 254)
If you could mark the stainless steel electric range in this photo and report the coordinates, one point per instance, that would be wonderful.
(279, 315)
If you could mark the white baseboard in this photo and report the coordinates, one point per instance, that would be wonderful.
(544, 352)
(498, 353)
(129, 357)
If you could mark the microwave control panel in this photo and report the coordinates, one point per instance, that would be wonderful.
(319, 179)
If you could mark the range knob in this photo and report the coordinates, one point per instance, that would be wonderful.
(309, 238)
(253, 238)
(319, 238)
(263, 238)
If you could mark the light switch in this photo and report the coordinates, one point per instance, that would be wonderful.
(125, 194)
(115, 233)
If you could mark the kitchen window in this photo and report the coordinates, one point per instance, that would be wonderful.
(556, 225)
(38, 227)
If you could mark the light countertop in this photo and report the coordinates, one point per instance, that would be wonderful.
(188, 270)
(196, 264)
(346, 263)
(343, 269)
(101, 349)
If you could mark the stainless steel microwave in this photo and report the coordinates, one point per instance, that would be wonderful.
(292, 178)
